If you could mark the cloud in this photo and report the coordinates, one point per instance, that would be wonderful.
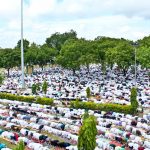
(76, 8)
(40, 7)
(9, 9)
(129, 8)
(73, 9)
(90, 18)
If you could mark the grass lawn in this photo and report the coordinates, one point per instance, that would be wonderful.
(8, 144)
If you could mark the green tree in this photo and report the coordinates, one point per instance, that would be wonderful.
(87, 53)
(104, 52)
(20, 146)
(85, 115)
(87, 134)
(145, 42)
(38, 87)
(124, 56)
(88, 92)
(34, 89)
(111, 54)
(70, 54)
(1, 79)
(45, 55)
(9, 58)
(143, 52)
(57, 39)
(51, 53)
(143, 57)
(31, 56)
(101, 46)
(133, 99)
(26, 44)
(44, 87)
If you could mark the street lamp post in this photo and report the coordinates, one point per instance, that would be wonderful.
(22, 51)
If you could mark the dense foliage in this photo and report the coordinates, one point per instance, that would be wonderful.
(20, 146)
(30, 99)
(44, 101)
(71, 52)
(34, 89)
(85, 115)
(44, 87)
(88, 92)
(133, 99)
(126, 109)
(88, 132)
(16, 97)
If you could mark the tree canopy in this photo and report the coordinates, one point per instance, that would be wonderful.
(70, 52)
(26, 44)
(57, 39)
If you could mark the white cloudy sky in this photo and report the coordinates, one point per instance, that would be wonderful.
(90, 18)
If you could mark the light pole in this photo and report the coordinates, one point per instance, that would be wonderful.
(22, 51)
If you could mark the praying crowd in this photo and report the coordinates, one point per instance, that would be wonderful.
(34, 123)
(57, 127)
(112, 86)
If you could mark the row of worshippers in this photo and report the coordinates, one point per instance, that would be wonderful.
(113, 87)
(132, 130)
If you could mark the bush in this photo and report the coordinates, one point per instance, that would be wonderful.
(44, 101)
(88, 92)
(127, 109)
(26, 98)
(88, 132)
(38, 87)
(20, 146)
(31, 99)
(16, 97)
(44, 87)
(133, 99)
(34, 88)
(85, 115)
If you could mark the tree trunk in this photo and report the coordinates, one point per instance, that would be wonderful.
(27, 69)
(74, 71)
(32, 68)
(88, 68)
(124, 72)
(111, 66)
(42, 67)
(8, 72)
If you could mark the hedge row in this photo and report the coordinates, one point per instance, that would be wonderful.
(126, 109)
(44, 101)
(31, 99)
(16, 97)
